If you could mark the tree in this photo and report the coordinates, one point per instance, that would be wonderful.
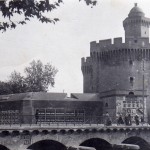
(38, 78)
(5, 88)
(29, 9)
(17, 83)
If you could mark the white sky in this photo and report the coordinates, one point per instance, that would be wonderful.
(65, 43)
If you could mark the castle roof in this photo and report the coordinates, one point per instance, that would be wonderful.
(33, 96)
(136, 12)
(50, 96)
(85, 96)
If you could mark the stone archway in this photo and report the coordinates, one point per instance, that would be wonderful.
(47, 145)
(138, 141)
(2, 147)
(97, 143)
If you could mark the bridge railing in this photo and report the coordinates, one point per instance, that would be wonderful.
(58, 120)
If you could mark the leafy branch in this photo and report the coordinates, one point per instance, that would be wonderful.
(29, 9)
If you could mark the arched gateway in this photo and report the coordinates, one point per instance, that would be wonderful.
(97, 143)
(144, 145)
(47, 145)
(2, 147)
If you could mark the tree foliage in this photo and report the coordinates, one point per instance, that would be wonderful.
(38, 77)
(4, 88)
(17, 83)
(29, 9)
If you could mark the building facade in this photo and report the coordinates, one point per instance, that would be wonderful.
(120, 72)
(49, 108)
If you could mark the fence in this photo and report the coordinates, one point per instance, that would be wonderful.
(53, 119)
(60, 119)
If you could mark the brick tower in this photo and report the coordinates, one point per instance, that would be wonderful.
(120, 72)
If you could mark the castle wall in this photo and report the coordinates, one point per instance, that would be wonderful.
(114, 70)
(119, 66)
(122, 75)
(114, 65)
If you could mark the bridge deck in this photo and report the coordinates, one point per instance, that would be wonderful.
(69, 126)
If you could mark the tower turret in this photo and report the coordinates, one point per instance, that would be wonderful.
(136, 26)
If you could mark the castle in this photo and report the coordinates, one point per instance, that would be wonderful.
(116, 80)
(120, 72)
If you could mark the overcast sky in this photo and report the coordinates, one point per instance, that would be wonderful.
(65, 43)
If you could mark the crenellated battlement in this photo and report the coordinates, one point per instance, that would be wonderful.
(86, 61)
(117, 40)
(131, 49)
(86, 65)
(105, 42)
(105, 45)
(121, 55)
(117, 44)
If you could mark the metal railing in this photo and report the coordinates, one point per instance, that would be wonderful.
(60, 120)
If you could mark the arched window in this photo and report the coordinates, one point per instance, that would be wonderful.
(131, 93)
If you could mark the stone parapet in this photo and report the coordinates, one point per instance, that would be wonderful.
(107, 45)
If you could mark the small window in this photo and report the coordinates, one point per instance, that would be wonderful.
(106, 104)
(131, 79)
(130, 62)
(135, 41)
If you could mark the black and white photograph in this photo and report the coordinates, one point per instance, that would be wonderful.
(74, 75)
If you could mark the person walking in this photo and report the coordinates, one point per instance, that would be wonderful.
(136, 119)
(36, 116)
(120, 120)
(108, 121)
(126, 120)
(129, 120)
(142, 120)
